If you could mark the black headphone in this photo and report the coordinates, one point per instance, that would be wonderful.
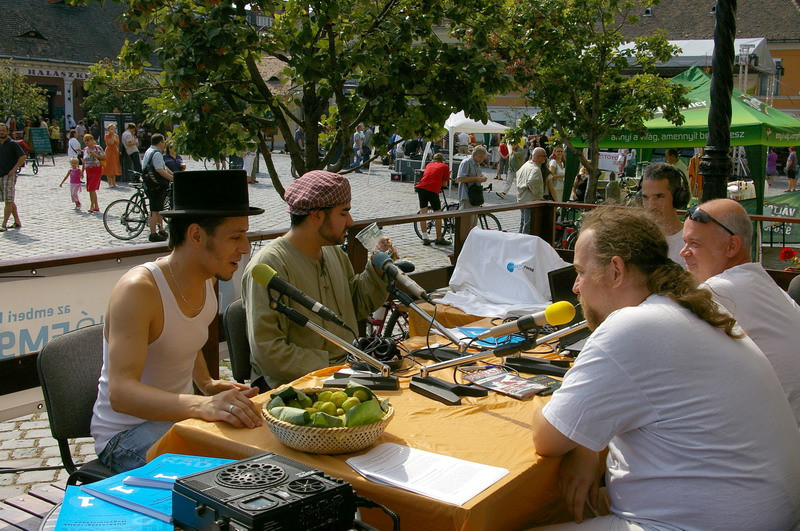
(380, 348)
(680, 196)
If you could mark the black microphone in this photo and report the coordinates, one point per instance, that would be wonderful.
(556, 314)
(266, 276)
(383, 261)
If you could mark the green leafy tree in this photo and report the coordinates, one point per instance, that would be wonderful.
(102, 98)
(343, 62)
(570, 59)
(18, 97)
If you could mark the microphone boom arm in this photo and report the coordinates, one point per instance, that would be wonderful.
(302, 320)
(408, 301)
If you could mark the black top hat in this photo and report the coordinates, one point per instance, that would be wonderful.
(212, 193)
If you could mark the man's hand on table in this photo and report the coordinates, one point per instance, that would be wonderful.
(230, 402)
(579, 480)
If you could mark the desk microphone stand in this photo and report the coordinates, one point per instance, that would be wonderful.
(513, 360)
(435, 388)
(302, 320)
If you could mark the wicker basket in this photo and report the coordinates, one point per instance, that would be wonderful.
(327, 440)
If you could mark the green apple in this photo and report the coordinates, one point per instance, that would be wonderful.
(328, 407)
(350, 403)
(338, 398)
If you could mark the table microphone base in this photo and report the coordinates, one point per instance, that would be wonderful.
(436, 354)
(534, 366)
(458, 389)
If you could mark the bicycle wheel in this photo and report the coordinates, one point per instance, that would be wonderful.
(35, 167)
(124, 219)
(429, 224)
(396, 326)
(489, 222)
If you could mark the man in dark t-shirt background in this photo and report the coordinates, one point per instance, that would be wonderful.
(11, 158)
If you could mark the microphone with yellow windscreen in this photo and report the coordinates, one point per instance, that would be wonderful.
(556, 314)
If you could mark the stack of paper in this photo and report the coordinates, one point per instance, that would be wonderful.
(437, 476)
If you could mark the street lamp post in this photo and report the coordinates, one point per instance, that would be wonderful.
(716, 166)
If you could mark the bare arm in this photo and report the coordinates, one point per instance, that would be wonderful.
(165, 173)
(20, 162)
(580, 470)
(140, 323)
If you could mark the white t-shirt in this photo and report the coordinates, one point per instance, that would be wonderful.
(700, 435)
(675, 245)
(769, 316)
(463, 139)
(73, 147)
(128, 138)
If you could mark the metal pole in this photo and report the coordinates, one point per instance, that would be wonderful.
(716, 166)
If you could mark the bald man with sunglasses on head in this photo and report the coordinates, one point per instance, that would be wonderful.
(717, 237)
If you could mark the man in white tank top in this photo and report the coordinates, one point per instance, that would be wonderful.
(157, 322)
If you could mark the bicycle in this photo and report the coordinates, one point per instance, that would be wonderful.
(389, 321)
(125, 219)
(487, 221)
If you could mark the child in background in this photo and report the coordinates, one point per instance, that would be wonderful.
(75, 174)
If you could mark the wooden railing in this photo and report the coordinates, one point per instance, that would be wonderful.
(21, 371)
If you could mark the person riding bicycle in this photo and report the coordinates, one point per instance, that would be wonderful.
(436, 175)
(309, 258)
(156, 195)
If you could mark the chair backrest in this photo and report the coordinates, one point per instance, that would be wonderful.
(235, 322)
(69, 368)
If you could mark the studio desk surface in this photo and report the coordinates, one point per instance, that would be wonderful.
(493, 430)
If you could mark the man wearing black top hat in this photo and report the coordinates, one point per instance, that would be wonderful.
(157, 321)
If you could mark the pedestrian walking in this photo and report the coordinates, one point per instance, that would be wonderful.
(11, 158)
(93, 159)
(112, 167)
(75, 176)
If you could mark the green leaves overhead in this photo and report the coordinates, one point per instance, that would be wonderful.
(570, 59)
(376, 61)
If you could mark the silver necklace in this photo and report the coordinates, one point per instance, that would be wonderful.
(180, 291)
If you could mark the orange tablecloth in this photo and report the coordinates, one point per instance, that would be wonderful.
(494, 430)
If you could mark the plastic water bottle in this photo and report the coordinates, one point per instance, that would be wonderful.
(613, 193)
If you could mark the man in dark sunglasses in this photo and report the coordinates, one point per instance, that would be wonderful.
(717, 239)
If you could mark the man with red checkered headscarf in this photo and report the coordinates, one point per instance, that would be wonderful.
(309, 258)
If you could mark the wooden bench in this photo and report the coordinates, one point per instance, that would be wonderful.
(27, 511)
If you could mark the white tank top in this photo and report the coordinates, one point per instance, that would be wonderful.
(170, 358)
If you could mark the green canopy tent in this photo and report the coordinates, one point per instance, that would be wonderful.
(754, 125)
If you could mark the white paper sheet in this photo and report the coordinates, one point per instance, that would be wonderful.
(437, 476)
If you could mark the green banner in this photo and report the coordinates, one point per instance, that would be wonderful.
(752, 122)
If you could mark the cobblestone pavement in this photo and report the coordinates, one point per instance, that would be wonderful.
(51, 226)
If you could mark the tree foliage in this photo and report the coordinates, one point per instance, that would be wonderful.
(104, 98)
(569, 58)
(18, 97)
(343, 62)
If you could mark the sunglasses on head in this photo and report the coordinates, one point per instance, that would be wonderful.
(695, 214)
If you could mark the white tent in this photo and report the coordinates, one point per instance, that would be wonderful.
(459, 122)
